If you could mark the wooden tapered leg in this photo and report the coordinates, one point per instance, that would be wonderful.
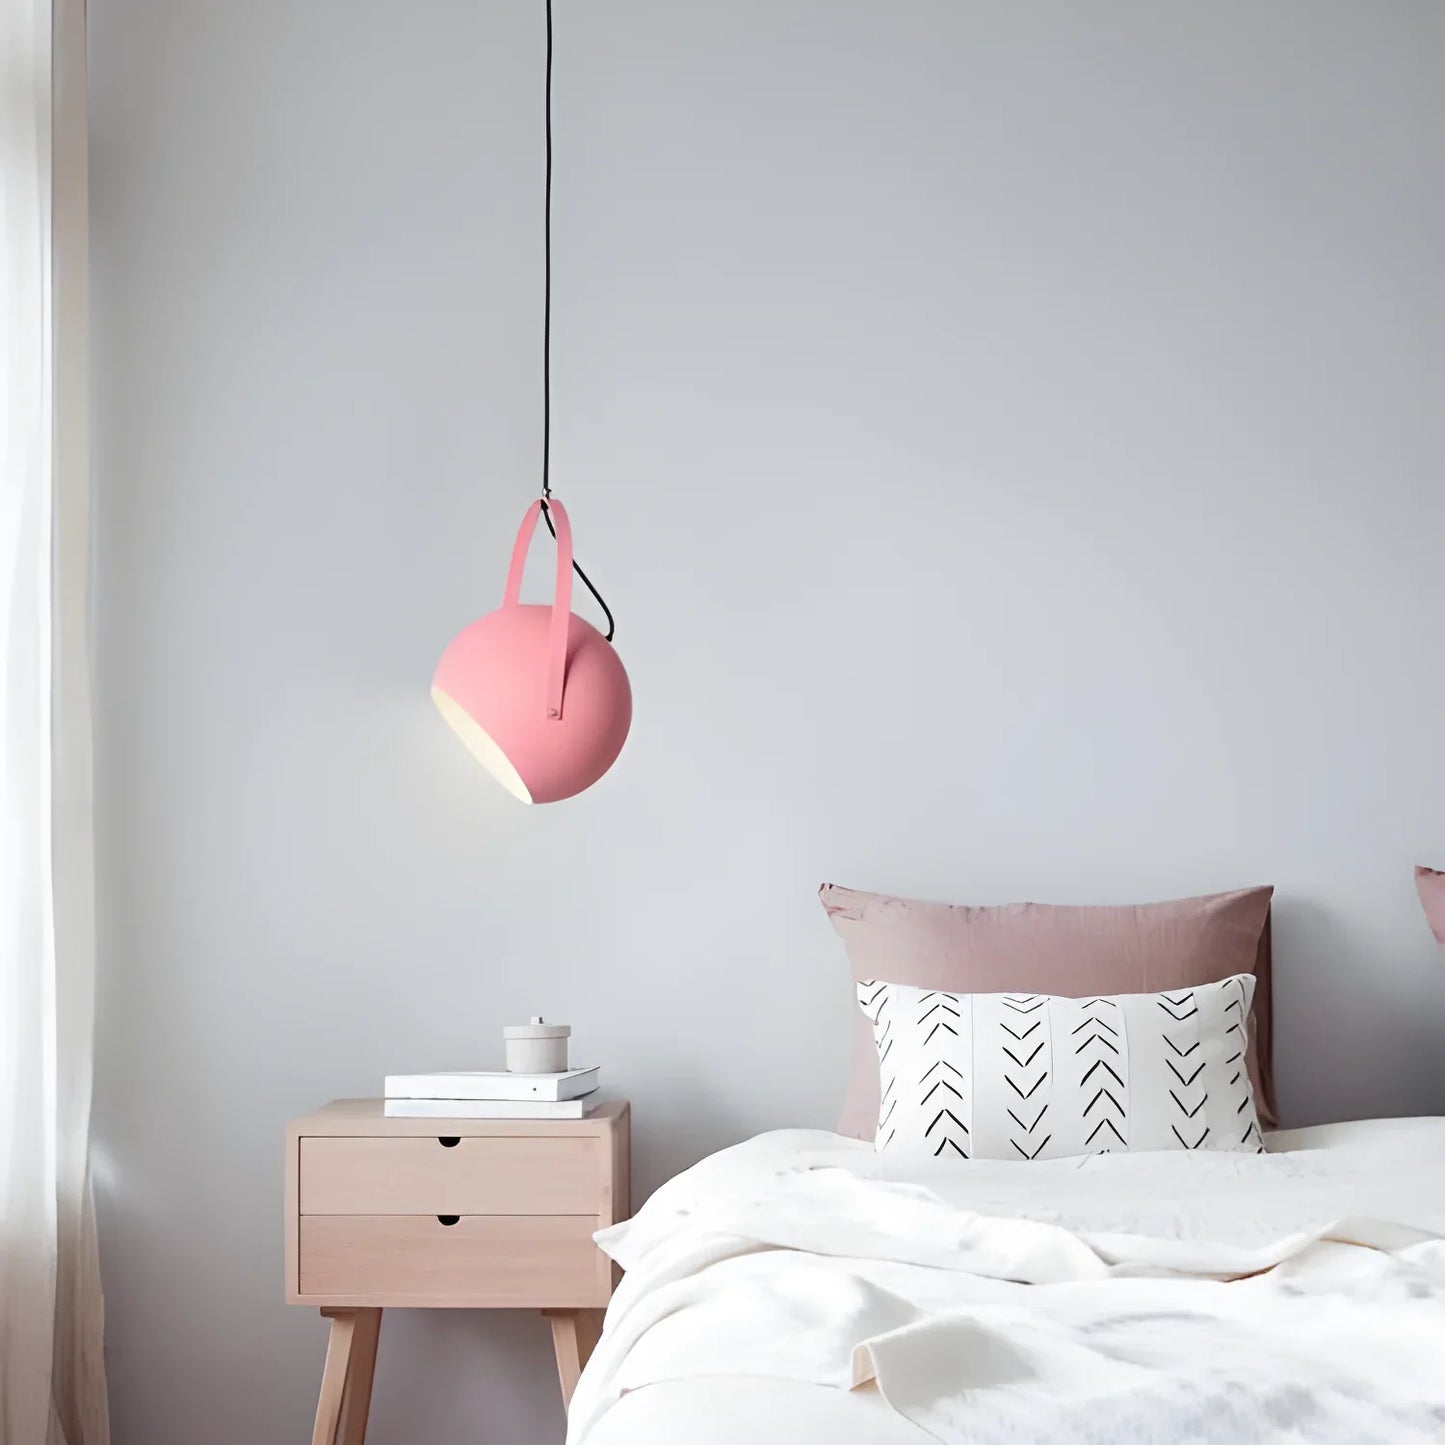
(333, 1376)
(357, 1402)
(574, 1336)
(345, 1398)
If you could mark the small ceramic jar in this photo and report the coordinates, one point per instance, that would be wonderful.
(537, 1047)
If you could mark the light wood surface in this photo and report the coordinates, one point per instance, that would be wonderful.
(345, 1402)
(448, 1213)
(366, 1118)
(483, 1261)
(333, 1376)
(574, 1336)
(356, 1401)
(462, 1176)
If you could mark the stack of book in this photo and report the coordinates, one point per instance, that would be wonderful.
(497, 1095)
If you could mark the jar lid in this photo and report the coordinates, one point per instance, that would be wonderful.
(537, 1030)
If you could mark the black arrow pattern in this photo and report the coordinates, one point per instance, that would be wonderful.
(1098, 1057)
(1238, 1089)
(1028, 1076)
(934, 1022)
(1186, 1085)
(1024, 1044)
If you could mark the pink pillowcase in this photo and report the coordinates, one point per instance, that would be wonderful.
(1432, 894)
(1044, 948)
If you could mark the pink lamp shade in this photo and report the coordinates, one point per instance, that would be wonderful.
(1431, 883)
(536, 693)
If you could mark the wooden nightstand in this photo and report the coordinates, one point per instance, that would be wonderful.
(447, 1214)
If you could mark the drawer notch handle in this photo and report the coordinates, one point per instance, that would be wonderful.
(448, 1219)
(449, 1141)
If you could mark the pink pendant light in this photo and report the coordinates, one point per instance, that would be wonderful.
(537, 693)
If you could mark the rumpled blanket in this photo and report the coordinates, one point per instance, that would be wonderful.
(1171, 1297)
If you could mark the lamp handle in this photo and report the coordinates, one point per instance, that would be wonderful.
(561, 598)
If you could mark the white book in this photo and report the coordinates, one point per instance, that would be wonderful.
(497, 1085)
(487, 1108)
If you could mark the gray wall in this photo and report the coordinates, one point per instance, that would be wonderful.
(1009, 436)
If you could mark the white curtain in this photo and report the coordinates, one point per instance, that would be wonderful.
(52, 1380)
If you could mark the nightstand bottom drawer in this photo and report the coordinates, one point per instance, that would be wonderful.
(481, 1260)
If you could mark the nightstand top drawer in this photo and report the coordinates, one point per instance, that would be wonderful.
(454, 1175)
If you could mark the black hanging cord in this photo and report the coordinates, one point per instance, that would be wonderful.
(547, 345)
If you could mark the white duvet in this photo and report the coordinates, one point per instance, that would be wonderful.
(1179, 1298)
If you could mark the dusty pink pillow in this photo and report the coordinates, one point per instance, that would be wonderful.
(1432, 894)
(1047, 948)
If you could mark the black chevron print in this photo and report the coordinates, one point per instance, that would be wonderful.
(1104, 1124)
(946, 1135)
(1099, 1049)
(1026, 1057)
(1029, 1128)
(1188, 1113)
(1094, 1023)
(1171, 1007)
(1251, 1134)
(940, 1116)
(1179, 1010)
(1103, 1064)
(1039, 1095)
(1024, 1062)
(873, 999)
(1035, 1154)
(1186, 1082)
(937, 1008)
(1024, 1004)
(1102, 1094)
(930, 1020)
(940, 1064)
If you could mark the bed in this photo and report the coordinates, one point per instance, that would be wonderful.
(802, 1287)
(1201, 1283)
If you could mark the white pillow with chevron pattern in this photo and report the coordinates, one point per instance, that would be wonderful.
(1031, 1076)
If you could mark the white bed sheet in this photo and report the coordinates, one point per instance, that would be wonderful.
(811, 1259)
(746, 1410)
